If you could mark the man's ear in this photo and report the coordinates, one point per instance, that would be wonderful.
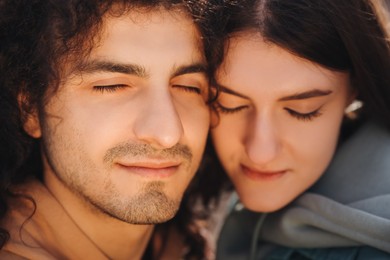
(32, 126)
(30, 119)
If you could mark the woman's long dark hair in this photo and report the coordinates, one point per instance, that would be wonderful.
(35, 37)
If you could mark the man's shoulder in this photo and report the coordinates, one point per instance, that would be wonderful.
(6, 255)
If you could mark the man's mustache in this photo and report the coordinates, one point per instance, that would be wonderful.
(146, 150)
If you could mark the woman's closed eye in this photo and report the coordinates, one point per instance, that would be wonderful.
(230, 110)
(304, 116)
(230, 103)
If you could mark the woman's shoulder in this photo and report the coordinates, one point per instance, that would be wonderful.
(351, 253)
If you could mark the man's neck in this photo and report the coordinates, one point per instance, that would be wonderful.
(114, 238)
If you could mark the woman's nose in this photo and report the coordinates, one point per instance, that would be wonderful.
(262, 143)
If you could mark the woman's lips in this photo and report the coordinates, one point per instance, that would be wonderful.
(262, 175)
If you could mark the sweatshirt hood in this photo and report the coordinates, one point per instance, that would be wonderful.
(348, 206)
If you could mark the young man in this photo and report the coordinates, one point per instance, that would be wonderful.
(111, 97)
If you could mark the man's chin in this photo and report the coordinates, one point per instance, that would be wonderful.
(148, 208)
(153, 220)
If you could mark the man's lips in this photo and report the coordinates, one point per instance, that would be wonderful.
(153, 169)
(262, 174)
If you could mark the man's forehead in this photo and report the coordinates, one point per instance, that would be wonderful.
(142, 14)
(132, 56)
(141, 18)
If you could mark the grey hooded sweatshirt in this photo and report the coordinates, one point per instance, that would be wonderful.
(345, 215)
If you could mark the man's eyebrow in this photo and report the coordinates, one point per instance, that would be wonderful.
(307, 94)
(188, 69)
(108, 66)
(227, 90)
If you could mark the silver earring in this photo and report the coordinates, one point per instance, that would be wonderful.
(351, 111)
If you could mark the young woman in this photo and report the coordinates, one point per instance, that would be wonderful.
(313, 178)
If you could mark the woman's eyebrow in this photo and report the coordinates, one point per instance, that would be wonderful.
(231, 92)
(307, 94)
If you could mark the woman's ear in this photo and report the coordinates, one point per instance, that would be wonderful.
(353, 96)
(31, 122)
(352, 110)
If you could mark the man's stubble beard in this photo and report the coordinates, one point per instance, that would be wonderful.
(150, 206)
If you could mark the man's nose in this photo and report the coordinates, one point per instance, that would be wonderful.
(159, 123)
(262, 143)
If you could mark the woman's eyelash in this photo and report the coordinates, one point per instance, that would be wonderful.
(306, 116)
(109, 88)
(226, 110)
